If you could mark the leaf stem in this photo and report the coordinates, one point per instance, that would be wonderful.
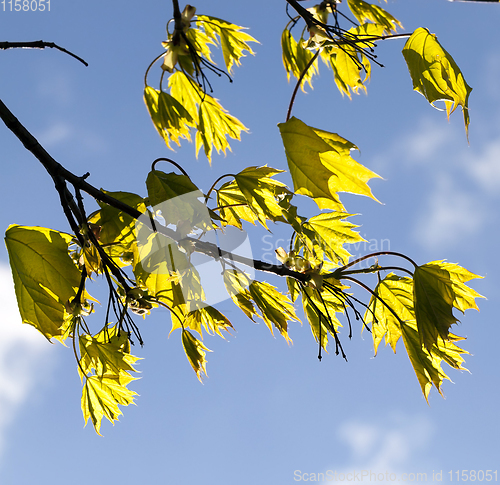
(299, 82)
(216, 182)
(339, 271)
(369, 290)
(175, 164)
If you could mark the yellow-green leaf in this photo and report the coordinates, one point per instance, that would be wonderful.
(261, 192)
(169, 116)
(215, 124)
(178, 200)
(296, 58)
(107, 353)
(195, 352)
(275, 307)
(427, 364)
(321, 312)
(320, 166)
(210, 318)
(233, 41)
(102, 395)
(187, 92)
(237, 283)
(373, 13)
(115, 228)
(435, 74)
(438, 287)
(397, 293)
(45, 276)
(329, 231)
(233, 206)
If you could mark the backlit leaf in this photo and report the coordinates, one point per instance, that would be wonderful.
(45, 276)
(117, 229)
(108, 352)
(261, 192)
(275, 307)
(427, 364)
(364, 11)
(237, 283)
(320, 166)
(397, 292)
(210, 318)
(102, 395)
(233, 206)
(296, 58)
(435, 74)
(195, 352)
(215, 124)
(438, 287)
(169, 116)
(321, 312)
(233, 41)
(330, 232)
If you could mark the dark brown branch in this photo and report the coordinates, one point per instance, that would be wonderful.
(59, 173)
(39, 44)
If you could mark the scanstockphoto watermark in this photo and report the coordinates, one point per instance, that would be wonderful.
(359, 476)
(436, 476)
(201, 277)
(357, 250)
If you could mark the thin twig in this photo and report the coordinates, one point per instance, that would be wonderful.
(39, 44)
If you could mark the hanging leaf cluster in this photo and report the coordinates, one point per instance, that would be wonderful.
(185, 104)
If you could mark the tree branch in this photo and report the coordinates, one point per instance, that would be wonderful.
(39, 44)
(60, 174)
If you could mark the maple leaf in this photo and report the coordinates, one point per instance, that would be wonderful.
(296, 58)
(233, 41)
(320, 165)
(438, 287)
(102, 395)
(261, 192)
(396, 318)
(276, 308)
(373, 13)
(195, 352)
(435, 74)
(325, 234)
(45, 276)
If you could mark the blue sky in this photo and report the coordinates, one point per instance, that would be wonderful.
(266, 409)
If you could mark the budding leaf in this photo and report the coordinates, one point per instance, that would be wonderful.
(364, 11)
(195, 352)
(296, 58)
(275, 307)
(233, 40)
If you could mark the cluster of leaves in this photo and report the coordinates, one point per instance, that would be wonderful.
(187, 105)
(143, 248)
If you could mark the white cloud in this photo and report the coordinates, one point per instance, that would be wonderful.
(485, 167)
(55, 134)
(449, 215)
(21, 349)
(423, 145)
(388, 447)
